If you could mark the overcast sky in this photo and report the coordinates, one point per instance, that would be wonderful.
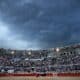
(35, 24)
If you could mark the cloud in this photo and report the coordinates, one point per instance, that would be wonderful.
(41, 23)
(9, 40)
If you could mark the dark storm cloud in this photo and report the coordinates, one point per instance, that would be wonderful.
(46, 23)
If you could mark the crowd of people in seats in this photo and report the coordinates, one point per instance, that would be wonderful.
(64, 62)
(69, 61)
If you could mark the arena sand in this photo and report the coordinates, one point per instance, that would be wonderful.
(39, 78)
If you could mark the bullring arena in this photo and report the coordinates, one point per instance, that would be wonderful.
(61, 63)
(40, 78)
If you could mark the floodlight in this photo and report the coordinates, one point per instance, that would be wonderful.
(57, 49)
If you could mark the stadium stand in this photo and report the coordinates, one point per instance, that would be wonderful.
(56, 60)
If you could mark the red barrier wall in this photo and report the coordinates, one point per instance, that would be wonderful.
(68, 74)
(48, 74)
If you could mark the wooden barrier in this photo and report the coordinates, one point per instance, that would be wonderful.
(37, 74)
(68, 74)
(59, 76)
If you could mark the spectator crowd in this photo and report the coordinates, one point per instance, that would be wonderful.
(68, 61)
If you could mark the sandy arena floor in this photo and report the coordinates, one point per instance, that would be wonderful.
(39, 78)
